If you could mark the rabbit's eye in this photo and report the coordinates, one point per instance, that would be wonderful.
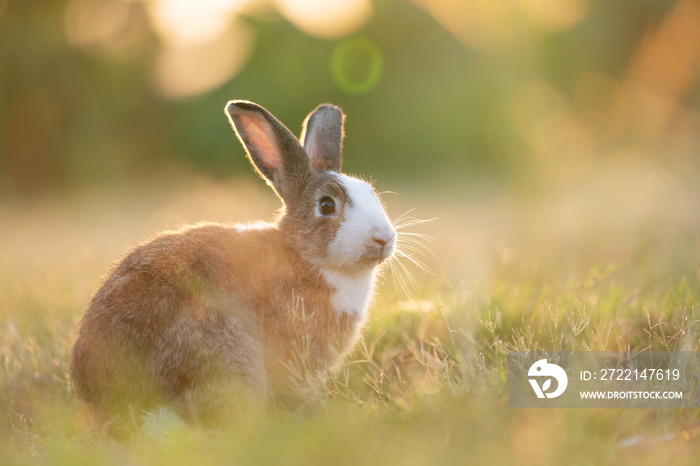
(326, 205)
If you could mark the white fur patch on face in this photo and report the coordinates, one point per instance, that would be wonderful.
(352, 292)
(364, 220)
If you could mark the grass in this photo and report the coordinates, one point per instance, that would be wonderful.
(608, 261)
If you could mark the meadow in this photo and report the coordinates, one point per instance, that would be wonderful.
(554, 145)
(606, 258)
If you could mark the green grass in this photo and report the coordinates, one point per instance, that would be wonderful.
(607, 263)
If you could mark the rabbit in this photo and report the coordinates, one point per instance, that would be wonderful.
(193, 318)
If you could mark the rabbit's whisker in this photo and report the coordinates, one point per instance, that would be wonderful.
(398, 219)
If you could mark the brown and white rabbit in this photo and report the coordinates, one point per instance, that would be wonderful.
(194, 317)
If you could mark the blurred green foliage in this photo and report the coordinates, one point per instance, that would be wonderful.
(86, 113)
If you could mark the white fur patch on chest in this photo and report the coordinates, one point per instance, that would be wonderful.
(352, 293)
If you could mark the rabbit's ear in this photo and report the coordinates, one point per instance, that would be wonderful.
(273, 149)
(322, 137)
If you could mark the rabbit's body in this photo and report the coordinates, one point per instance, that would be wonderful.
(199, 305)
(194, 316)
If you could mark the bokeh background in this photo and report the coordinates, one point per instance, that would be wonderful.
(555, 143)
(521, 92)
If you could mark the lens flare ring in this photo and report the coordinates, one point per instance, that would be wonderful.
(369, 51)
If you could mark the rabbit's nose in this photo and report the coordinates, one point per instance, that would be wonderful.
(383, 240)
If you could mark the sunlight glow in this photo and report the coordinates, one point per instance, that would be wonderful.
(662, 70)
(481, 24)
(326, 19)
(489, 25)
(556, 15)
(186, 22)
(94, 22)
(184, 71)
(203, 44)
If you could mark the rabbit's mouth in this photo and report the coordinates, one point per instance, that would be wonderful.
(375, 255)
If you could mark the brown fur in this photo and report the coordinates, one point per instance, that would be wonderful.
(311, 235)
(190, 312)
(213, 319)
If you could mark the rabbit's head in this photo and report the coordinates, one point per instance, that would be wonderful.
(333, 220)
